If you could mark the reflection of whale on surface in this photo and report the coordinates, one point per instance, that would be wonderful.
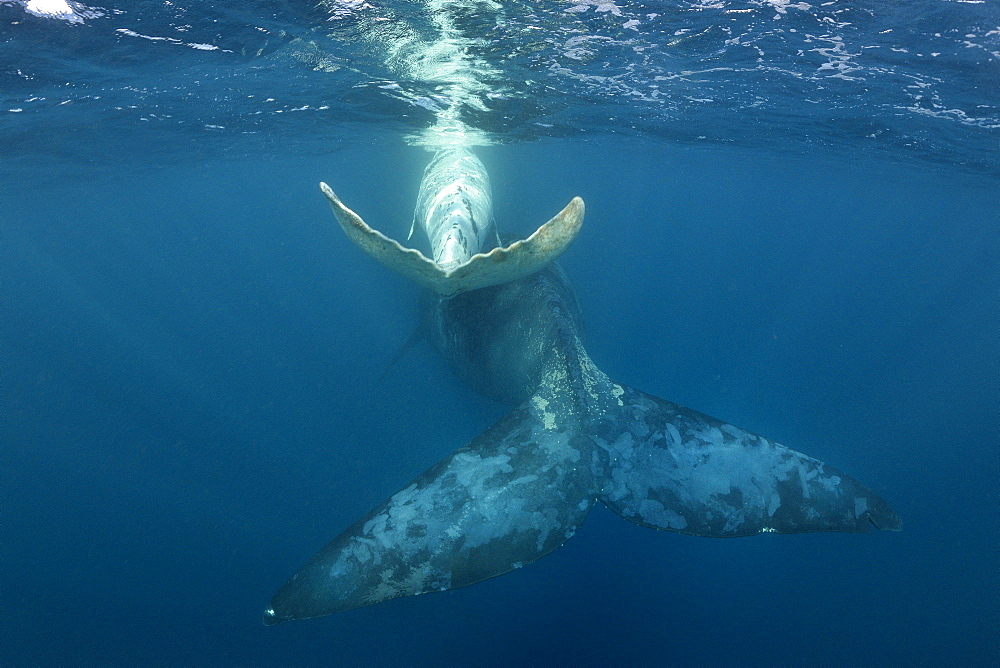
(521, 488)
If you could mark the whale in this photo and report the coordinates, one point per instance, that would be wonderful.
(454, 210)
(509, 324)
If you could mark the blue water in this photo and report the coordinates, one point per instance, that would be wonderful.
(192, 400)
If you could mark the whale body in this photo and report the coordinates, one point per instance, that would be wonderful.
(455, 207)
(574, 437)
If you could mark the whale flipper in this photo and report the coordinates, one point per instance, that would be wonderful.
(514, 494)
(680, 470)
(500, 265)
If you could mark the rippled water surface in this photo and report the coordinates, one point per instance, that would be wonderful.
(914, 80)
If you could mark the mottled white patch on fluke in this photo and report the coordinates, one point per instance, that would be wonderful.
(513, 495)
(500, 265)
(677, 469)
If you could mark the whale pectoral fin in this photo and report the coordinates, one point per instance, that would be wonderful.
(677, 469)
(510, 497)
(500, 265)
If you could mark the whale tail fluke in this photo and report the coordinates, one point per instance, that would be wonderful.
(676, 469)
(522, 488)
(500, 265)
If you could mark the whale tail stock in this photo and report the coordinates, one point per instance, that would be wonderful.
(521, 489)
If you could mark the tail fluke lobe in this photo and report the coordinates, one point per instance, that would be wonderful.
(677, 469)
(513, 495)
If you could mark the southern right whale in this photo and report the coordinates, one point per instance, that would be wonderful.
(509, 324)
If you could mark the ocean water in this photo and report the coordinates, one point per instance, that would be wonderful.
(793, 224)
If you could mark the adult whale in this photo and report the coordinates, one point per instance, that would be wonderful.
(509, 324)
